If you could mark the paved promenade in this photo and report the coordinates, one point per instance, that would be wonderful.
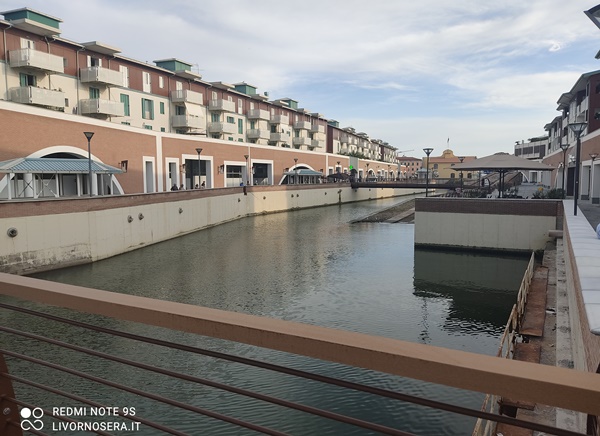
(591, 212)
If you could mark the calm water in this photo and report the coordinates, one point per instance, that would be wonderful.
(308, 266)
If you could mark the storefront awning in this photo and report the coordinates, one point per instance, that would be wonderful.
(304, 172)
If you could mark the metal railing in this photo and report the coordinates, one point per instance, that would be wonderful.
(549, 385)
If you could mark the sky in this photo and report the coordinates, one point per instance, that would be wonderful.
(470, 75)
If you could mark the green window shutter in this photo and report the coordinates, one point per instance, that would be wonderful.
(151, 109)
(240, 126)
(94, 92)
(23, 79)
(162, 107)
(125, 101)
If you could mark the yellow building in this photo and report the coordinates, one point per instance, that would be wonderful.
(441, 166)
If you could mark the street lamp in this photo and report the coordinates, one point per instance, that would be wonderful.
(461, 158)
(593, 156)
(427, 152)
(564, 148)
(367, 178)
(246, 156)
(388, 173)
(89, 135)
(577, 129)
(199, 150)
(296, 171)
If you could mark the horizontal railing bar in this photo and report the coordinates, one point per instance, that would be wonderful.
(267, 398)
(554, 386)
(91, 403)
(298, 373)
(144, 394)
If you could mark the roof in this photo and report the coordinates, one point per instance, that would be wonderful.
(27, 165)
(502, 162)
(303, 172)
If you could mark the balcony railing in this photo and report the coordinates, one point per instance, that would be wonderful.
(317, 143)
(280, 137)
(280, 119)
(102, 107)
(302, 125)
(221, 105)
(29, 58)
(317, 128)
(222, 128)
(259, 114)
(37, 96)
(186, 96)
(300, 141)
(258, 134)
(101, 75)
(187, 121)
(168, 387)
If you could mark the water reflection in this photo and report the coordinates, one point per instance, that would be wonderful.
(308, 266)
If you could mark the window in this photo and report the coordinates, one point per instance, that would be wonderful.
(147, 127)
(94, 62)
(230, 120)
(241, 126)
(162, 129)
(178, 86)
(161, 82)
(126, 123)
(27, 43)
(162, 107)
(125, 73)
(125, 101)
(94, 93)
(253, 124)
(214, 95)
(65, 63)
(240, 140)
(230, 138)
(147, 109)
(146, 82)
(215, 118)
(27, 79)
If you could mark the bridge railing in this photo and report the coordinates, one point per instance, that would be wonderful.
(558, 387)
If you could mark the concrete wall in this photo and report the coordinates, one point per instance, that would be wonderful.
(582, 265)
(492, 224)
(63, 232)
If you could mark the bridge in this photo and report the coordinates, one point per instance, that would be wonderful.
(417, 183)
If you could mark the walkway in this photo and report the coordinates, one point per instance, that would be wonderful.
(591, 212)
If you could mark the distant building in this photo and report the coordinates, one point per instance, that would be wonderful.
(411, 166)
(441, 166)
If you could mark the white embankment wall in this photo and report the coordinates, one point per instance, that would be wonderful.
(41, 235)
(486, 224)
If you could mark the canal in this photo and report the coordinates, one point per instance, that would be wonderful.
(310, 266)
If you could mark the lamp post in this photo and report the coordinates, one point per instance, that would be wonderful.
(564, 148)
(89, 135)
(199, 150)
(590, 185)
(296, 171)
(367, 177)
(246, 156)
(427, 152)
(461, 158)
(577, 129)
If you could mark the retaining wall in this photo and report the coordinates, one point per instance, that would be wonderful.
(62, 232)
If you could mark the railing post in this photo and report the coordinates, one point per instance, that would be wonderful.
(9, 412)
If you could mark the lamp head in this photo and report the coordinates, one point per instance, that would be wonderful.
(594, 156)
(564, 147)
(198, 150)
(577, 128)
(88, 135)
(428, 151)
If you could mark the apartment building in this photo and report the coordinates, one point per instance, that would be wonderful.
(41, 70)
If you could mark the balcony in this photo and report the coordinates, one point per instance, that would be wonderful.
(221, 105)
(300, 141)
(316, 128)
(258, 134)
(187, 121)
(101, 75)
(29, 58)
(259, 114)
(280, 119)
(317, 143)
(221, 128)
(37, 96)
(98, 106)
(186, 96)
(280, 137)
(302, 125)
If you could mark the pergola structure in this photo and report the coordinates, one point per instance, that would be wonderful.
(502, 163)
(54, 177)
